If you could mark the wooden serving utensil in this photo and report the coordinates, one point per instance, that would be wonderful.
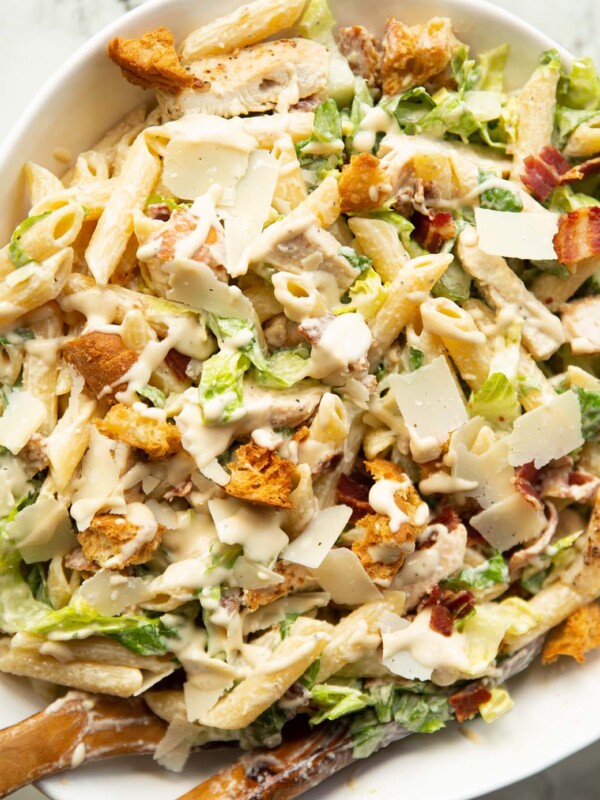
(76, 728)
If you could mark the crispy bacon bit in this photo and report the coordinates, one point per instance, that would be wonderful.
(466, 702)
(579, 634)
(578, 235)
(160, 211)
(432, 232)
(524, 482)
(353, 490)
(441, 620)
(461, 604)
(363, 184)
(543, 172)
(152, 62)
(363, 53)
(522, 557)
(581, 171)
(448, 517)
(177, 363)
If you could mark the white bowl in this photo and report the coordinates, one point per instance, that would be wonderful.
(557, 709)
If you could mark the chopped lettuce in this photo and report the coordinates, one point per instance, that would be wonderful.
(563, 200)
(327, 126)
(356, 260)
(17, 256)
(365, 296)
(497, 401)
(403, 227)
(286, 624)
(222, 385)
(317, 21)
(410, 108)
(490, 69)
(566, 120)
(17, 337)
(487, 574)
(169, 202)
(581, 89)
(154, 396)
(455, 284)
(284, 368)
(224, 555)
(336, 701)
(327, 129)
(497, 706)
(36, 580)
(498, 199)
(416, 358)
(589, 400)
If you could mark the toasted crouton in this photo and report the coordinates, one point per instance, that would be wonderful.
(294, 577)
(106, 537)
(381, 550)
(579, 634)
(363, 184)
(361, 50)
(154, 436)
(152, 62)
(581, 321)
(102, 359)
(413, 55)
(261, 476)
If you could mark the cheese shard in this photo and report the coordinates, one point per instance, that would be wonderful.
(509, 522)
(197, 286)
(21, 419)
(401, 662)
(546, 433)
(319, 536)
(343, 576)
(522, 235)
(430, 402)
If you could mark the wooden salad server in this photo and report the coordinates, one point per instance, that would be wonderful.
(76, 728)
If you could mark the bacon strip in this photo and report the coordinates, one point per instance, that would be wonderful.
(543, 172)
(524, 481)
(353, 491)
(441, 620)
(581, 171)
(432, 232)
(466, 702)
(578, 235)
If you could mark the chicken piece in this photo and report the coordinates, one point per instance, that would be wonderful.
(157, 438)
(413, 55)
(264, 77)
(294, 577)
(308, 249)
(363, 184)
(581, 321)
(381, 550)
(363, 53)
(108, 535)
(579, 634)
(152, 62)
(261, 476)
(102, 359)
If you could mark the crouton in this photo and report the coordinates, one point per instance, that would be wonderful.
(151, 62)
(363, 184)
(413, 55)
(102, 359)
(107, 536)
(294, 578)
(155, 437)
(381, 550)
(362, 51)
(581, 321)
(261, 476)
(577, 635)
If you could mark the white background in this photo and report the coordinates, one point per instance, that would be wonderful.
(36, 36)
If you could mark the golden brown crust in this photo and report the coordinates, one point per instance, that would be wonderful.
(363, 184)
(294, 578)
(413, 55)
(362, 51)
(261, 476)
(107, 535)
(575, 637)
(102, 359)
(151, 62)
(378, 533)
(157, 438)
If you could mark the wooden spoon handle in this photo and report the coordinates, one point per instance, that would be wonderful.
(79, 727)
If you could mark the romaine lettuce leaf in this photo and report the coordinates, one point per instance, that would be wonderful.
(497, 706)
(336, 701)
(404, 228)
(496, 401)
(566, 120)
(154, 396)
(222, 385)
(284, 368)
(16, 337)
(416, 358)
(484, 576)
(563, 199)
(327, 126)
(455, 284)
(366, 295)
(317, 21)
(17, 256)
(581, 89)
(490, 69)
(498, 199)
(589, 400)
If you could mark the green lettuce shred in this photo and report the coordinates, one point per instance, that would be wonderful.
(497, 401)
(17, 256)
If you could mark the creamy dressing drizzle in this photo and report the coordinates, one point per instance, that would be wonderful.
(144, 520)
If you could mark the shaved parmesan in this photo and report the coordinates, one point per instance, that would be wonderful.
(343, 576)
(272, 613)
(402, 662)
(431, 404)
(524, 235)
(199, 700)
(196, 285)
(319, 536)
(256, 529)
(509, 522)
(110, 593)
(42, 530)
(251, 207)
(98, 488)
(21, 419)
(548, 432)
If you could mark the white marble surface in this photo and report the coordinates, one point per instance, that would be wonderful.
(35, 38)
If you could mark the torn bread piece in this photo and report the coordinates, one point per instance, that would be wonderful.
(577, 635)
(156, 437)
(382, 550)
(259, 475)
(151, 62)
(581, 323)
(363, 185)
(264, 77)
(102, 359)
(294, 577)
(110, 537)
(363, 53)
(413, 55)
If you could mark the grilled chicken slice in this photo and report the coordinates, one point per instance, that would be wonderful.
(263, 77)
